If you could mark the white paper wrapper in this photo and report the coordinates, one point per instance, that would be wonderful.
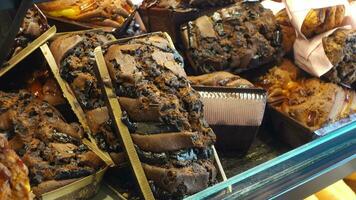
(272, 5)
(310, 55)
(299, 9)
(352, 20)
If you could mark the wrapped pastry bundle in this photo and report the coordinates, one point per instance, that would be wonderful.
(340, 49)
(49, 146)
(322, 20)
(310, 101)
(34, 24)
(164, 115)
(323, 43)
(74, 56)
(234, 39)
(311, 18)
(110, 13)
(14, 181)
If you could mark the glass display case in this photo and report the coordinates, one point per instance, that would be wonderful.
(279, 155)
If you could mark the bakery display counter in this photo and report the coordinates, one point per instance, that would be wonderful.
(177, 99)
(271, 169)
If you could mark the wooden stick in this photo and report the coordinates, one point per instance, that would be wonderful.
(220, 167)
(116, 114)
(73, 102)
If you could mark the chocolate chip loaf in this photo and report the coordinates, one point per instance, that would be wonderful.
(75, 58)
(164, 115)
(233, 39)
(310, 101)
(340, 49)
(50, 147)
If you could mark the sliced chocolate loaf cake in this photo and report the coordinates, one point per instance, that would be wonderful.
(164, 115)
(242, 36)
(50, 147)
(75, 58)
(341, 51)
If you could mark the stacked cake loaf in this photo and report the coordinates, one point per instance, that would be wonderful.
(164, 115)
(75, 58)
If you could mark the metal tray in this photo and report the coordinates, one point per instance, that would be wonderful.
(294, 133)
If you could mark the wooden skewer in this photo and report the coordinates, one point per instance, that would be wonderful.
(116, 113)
(220, 167)
(69, 95)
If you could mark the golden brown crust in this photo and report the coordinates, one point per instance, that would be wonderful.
(56, 5)
(110, 13)
(321, 20)
(310, 101)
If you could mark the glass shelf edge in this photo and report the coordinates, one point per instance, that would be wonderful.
(233, 180)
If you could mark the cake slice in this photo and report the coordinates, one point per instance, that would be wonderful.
(75, 58)
(153, 91)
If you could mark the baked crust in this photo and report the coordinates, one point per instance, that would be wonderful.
(322, 20)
